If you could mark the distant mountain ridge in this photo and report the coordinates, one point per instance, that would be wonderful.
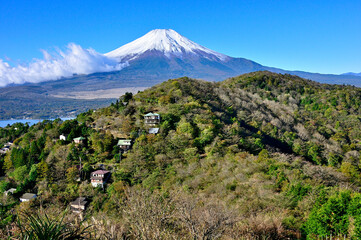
(352, 74)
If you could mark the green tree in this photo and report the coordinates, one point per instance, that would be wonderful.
(3, 186)
(43, 170)
(8, 163)
(263, 155)
(34, 153)
(20, 173)
(184, 127)
(329, 216)
(18, 157)
(71, 175)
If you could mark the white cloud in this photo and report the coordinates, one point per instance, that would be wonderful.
(75, 60)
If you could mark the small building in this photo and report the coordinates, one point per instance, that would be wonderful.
(153, 130)
(78, 205)
(99, 177)
(11, 190)
(79, 140)
(152, 118)
(63, 137)
(26, 197)
(4, 150)
(125, 144)
(8, 144)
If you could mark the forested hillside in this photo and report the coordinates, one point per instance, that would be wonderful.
(259, 156)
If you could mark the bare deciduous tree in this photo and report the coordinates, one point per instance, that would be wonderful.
(149, 215)
(203, 221)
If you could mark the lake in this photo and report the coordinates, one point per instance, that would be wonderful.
(4, 123)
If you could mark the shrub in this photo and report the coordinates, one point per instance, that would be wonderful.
(41, 227)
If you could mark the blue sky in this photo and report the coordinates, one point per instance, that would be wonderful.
(315, 36)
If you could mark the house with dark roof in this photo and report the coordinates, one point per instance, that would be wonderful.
(78, 205)
(99, 177)
(26, 197)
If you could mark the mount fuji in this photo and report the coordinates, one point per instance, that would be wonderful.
(163, 53)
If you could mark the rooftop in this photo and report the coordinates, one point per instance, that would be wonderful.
(126, 142)
(151, 114)
(79, 201)
(79, 138)
(11, 190)
(28, 196)
(153, 130)
(100, 172)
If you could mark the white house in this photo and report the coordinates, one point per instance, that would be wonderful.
(152, 118)
(63, 137)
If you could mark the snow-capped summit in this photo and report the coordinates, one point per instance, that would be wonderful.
(166, 41)
(163, 54)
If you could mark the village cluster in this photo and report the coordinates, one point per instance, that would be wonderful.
(99, 177)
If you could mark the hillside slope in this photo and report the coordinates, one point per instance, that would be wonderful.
(261, 155)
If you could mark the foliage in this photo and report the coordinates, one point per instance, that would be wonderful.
(338, 214)
(281, 152)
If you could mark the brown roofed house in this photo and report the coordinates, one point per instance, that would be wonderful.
(99, 177)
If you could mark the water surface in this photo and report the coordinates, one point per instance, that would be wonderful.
(4, 123)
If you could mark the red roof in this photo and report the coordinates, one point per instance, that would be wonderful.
(100, 172)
